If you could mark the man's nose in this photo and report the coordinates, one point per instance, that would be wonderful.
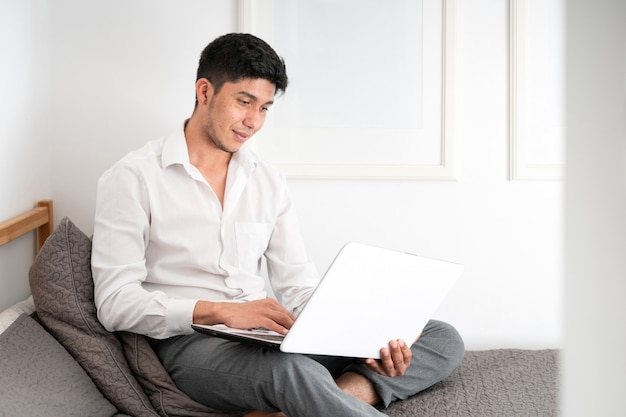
(254, 119)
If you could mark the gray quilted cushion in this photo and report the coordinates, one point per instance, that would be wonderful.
(39, 378)
(156, 382)
(62, 287)
(123, 365)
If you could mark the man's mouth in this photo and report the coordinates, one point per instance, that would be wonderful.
(242, 136)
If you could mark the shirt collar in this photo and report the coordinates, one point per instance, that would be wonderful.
(245, 159)
(175, 151)
(175, 148)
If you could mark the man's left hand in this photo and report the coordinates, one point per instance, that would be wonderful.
(394, 360)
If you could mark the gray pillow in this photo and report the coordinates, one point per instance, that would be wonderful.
(39, 378)
(62, 288)
(157, 383)
(123, 365)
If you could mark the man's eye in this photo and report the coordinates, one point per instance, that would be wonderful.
(244, 102)
(265, 109)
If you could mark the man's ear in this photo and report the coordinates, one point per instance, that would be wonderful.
(204, 91)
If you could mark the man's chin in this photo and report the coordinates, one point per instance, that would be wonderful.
(230, 148)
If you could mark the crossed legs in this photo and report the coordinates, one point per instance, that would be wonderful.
(234, 377)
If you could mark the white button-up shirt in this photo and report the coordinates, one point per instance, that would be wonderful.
(162, 240)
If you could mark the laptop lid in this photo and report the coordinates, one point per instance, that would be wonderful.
(368, 296)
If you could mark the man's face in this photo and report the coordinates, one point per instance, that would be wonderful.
(237, 112)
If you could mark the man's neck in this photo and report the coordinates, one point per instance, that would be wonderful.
(203, 153)
(211, 161)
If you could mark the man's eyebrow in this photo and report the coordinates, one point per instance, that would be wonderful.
(253, 97)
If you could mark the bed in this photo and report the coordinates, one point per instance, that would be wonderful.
(57, 360)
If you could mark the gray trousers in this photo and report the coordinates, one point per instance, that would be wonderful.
(236, 377)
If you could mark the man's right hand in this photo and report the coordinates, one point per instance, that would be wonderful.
(266, 313)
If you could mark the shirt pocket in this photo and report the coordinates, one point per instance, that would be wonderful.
(252, 241)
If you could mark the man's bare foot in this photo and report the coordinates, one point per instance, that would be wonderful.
(262, 414)
(358, 386)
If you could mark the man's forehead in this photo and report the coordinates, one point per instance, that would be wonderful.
(257, 88)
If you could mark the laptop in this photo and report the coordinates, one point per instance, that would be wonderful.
(367, 297)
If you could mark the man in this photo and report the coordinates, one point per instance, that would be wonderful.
(181, 226)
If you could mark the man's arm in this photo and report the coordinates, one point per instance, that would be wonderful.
(292, 274)
(120, 239)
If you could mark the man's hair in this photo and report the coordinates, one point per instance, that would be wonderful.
(238, 56)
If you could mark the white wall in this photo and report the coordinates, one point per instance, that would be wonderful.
(24, 131)
(123, 73)
(508, 234)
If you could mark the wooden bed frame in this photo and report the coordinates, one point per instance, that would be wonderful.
(40, 218)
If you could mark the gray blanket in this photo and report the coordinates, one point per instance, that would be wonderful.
(491, 383)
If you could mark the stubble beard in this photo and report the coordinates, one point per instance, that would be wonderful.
(213, 138)
(211, 134)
